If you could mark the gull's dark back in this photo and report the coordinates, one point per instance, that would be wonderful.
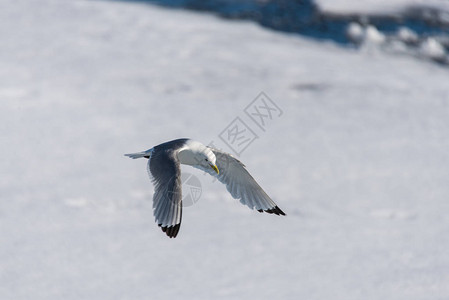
(175, 144)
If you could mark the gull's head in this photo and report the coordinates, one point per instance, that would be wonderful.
(194, 153)
(209, 159)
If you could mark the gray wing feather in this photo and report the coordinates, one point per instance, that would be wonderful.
(163, 168)
(241, 184)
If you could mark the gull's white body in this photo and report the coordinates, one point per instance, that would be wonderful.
(163, 168)
(194, 152)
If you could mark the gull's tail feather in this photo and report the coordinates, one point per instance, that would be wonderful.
(145, 154)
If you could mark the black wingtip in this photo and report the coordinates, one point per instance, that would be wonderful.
(275, 210)
(171, 231)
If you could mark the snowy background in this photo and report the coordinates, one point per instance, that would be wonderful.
(359, 159)
(378, 6)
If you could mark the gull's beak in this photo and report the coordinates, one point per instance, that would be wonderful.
(215, 168)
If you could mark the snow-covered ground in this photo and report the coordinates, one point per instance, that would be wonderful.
(358, 160)
(378, 6)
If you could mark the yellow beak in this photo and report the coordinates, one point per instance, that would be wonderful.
(215, 168)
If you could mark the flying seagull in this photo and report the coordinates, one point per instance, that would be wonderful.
(164, 170)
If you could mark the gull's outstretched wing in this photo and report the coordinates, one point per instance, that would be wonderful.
(241, 184)
(163, 168)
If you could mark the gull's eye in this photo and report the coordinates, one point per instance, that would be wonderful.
(205, 159)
